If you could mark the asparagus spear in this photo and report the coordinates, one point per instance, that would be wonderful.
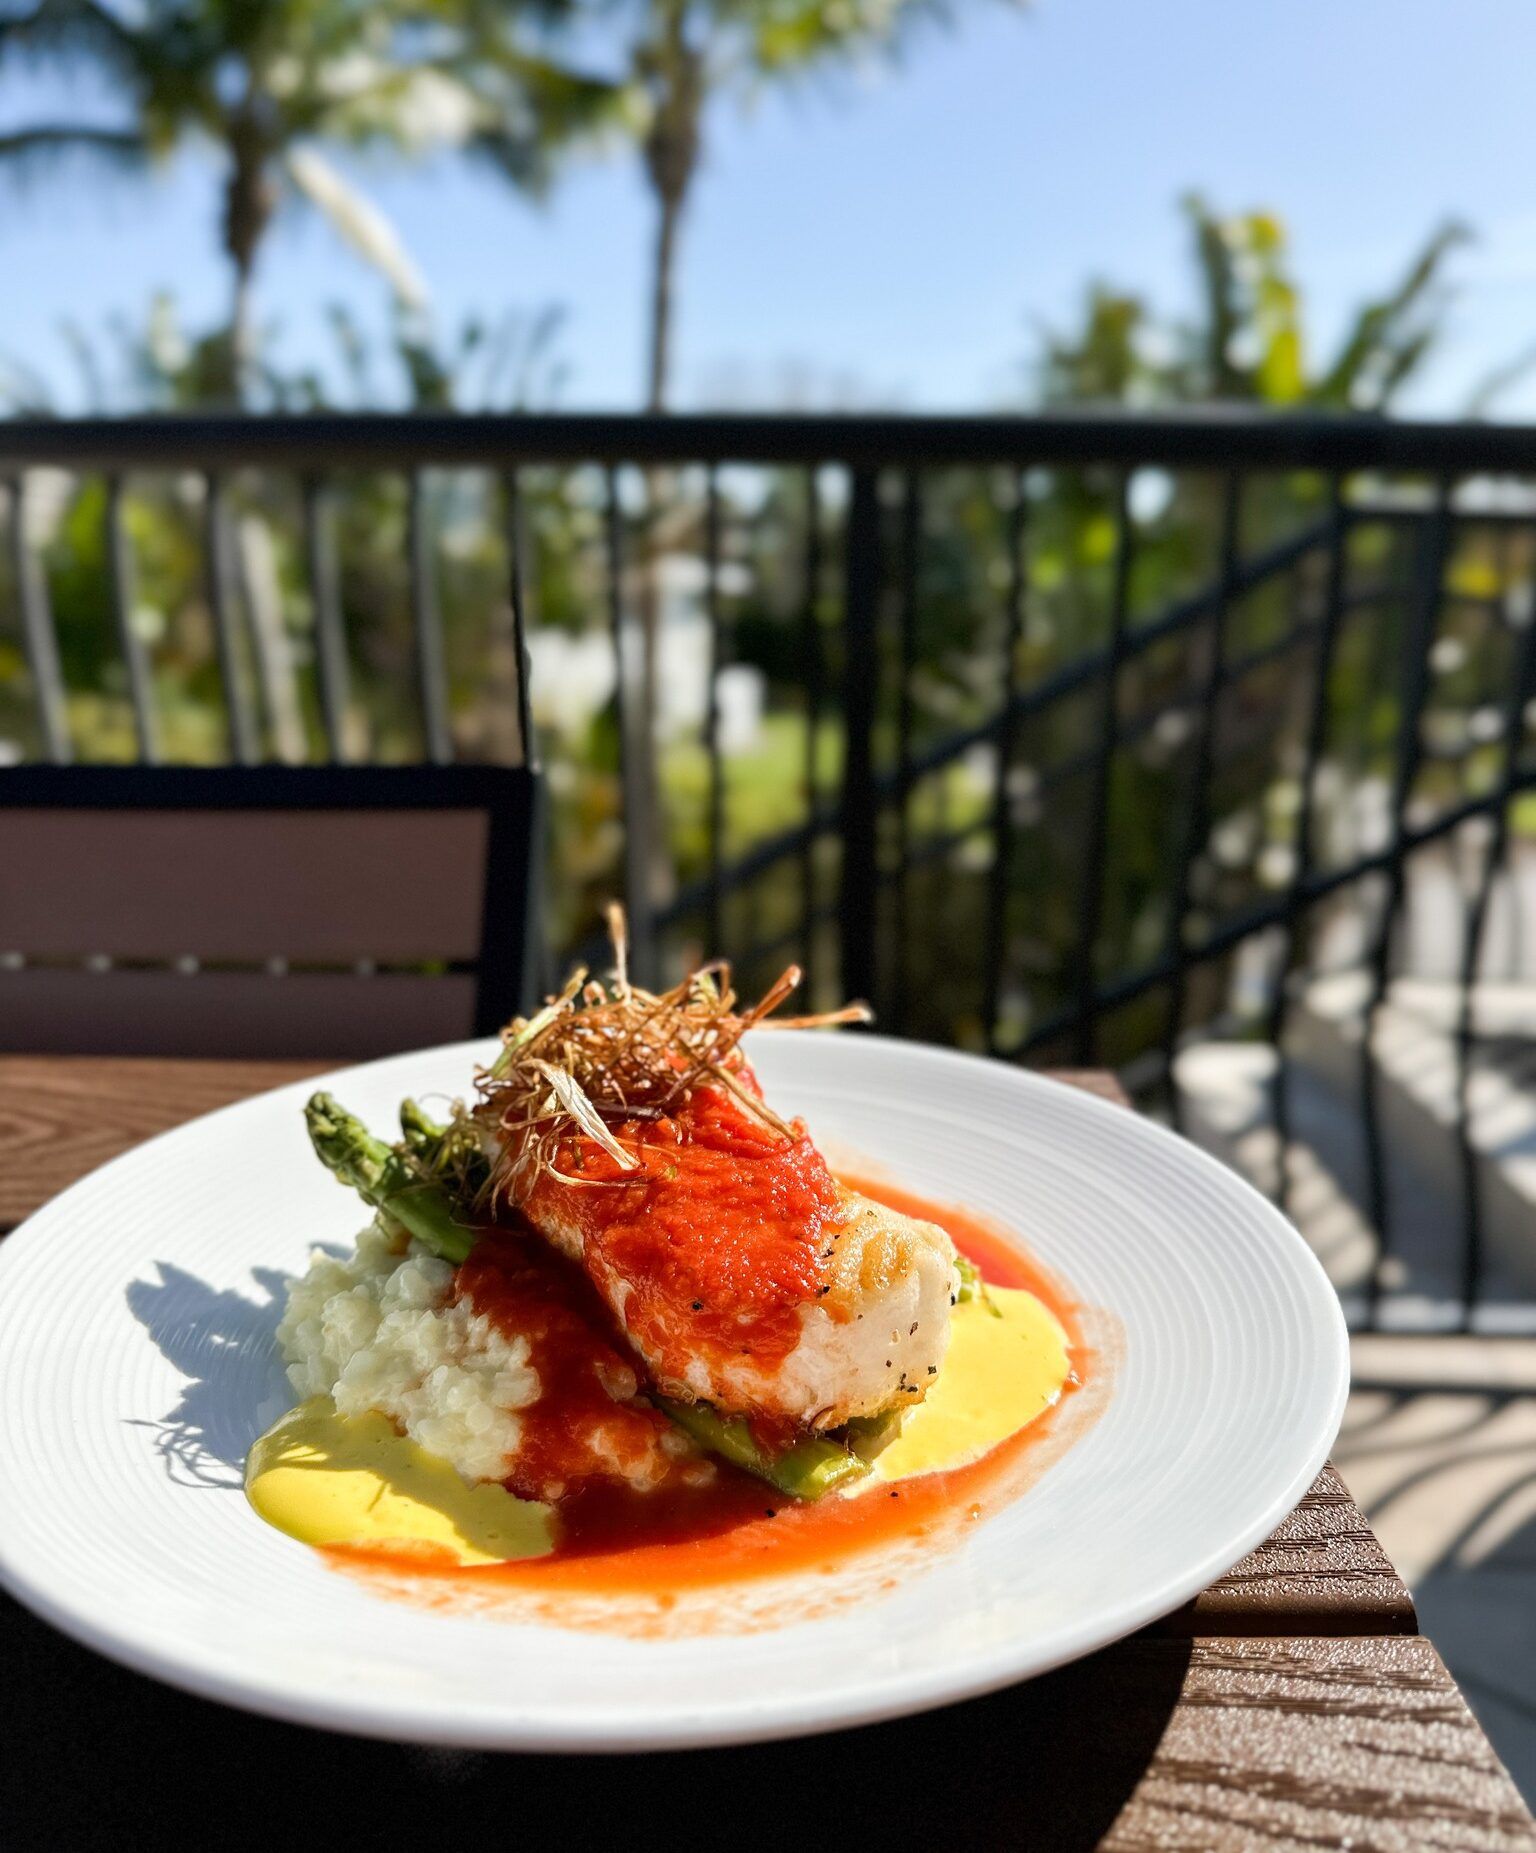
(449, 1155)
(973, 1287)
(420, 1132)
(805, 1471)
(385, 1179)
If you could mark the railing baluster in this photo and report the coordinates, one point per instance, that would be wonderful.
(330, 630)
(1301, 854)
(431, 671)
(38, 638)
(1197, 814)
(889, 790)
(135, 658)
(1428, 587)
(517, 554)
(813, 664)
(996, 947)
(633, 742)
(911, 567)
(221, 605)
(1096, 842)
(857, 896)
(1522, 689)
(791, 842)
(715, 821)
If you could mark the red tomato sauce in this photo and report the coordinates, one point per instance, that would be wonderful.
(585, 1416)
(716, 1246)
(682, 1537)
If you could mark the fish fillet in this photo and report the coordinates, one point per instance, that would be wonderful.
(744, 1275)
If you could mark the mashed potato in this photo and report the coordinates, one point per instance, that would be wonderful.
(381, 1330)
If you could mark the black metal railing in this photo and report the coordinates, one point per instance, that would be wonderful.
(1081, 738)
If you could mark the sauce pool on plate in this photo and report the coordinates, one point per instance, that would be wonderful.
(356, 1488)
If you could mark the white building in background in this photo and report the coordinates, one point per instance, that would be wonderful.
(573, 675)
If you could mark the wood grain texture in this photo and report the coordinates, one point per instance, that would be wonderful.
(1322, 1572)
(1209, 1744)
(1258, 1738)
(1320, 1743)
(61, 1116)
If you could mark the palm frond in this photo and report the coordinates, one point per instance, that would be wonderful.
(1494, 384)
(1391, 330)
(358, 222)
(67, 29)
(533, 110)
(26, 154)
(24, 393)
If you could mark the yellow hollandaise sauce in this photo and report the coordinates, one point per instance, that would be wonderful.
(330, 1479)
(357, 1483)
(1008, 1361)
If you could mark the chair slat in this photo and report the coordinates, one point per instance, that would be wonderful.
(314, 886)
(251, 1014)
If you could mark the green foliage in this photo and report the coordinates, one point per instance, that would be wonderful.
(1248, 344)
(513, 363)
(1244, 341)
(269, 88)
(672, 60)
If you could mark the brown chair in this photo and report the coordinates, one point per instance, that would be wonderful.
(263, 911)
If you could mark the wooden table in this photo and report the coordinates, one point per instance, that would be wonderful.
(1293, 1704)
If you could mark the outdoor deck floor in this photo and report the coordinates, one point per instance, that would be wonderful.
(1439, 1448)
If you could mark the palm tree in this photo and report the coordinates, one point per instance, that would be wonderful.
(673, 57)
(269, 86)
(680, 53)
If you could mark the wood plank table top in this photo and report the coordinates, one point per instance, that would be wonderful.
(1291, 1704)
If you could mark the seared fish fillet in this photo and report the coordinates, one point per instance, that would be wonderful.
(745, 1276)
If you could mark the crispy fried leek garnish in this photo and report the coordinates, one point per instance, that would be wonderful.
(603, 1053)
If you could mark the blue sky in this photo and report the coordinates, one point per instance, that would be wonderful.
(898, 237)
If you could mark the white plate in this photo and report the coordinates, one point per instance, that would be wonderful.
(137, 1364)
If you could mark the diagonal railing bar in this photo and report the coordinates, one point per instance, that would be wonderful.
(800, 838)
(1263, 917)
(1085, 670)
